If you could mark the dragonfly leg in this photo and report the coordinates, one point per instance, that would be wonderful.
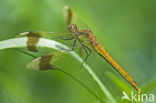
(90, 51)
(73, 46)
(86, 50)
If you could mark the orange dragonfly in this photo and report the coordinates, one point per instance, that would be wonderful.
(85, 37)
(90, 39)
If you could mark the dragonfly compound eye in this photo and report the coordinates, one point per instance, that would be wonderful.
(72, 28)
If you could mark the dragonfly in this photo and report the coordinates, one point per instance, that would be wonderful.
(86, 38)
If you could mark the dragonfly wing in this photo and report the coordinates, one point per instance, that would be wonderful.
(45, 62)
(34, 64)
(40, 33)
(42, 63)
(68, 14)
(34, 36)
(72, 18)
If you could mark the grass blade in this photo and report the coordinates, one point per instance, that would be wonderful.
(21, 42)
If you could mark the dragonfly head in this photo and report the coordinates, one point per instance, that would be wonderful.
(72, 28)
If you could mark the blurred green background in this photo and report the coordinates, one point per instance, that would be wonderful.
(125, 28)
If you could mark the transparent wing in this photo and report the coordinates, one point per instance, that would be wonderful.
(38, 34)
(34, 36)
(45, 62)
(54, 61)
(70, 17)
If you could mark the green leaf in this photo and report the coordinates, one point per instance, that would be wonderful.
(22, 42)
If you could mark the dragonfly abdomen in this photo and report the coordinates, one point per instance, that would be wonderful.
(103, 53)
